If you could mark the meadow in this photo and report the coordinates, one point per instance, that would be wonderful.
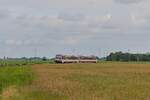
(13, 77)
(21, 62)
(101, 81)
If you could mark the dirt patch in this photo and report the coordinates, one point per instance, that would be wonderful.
(9, 92)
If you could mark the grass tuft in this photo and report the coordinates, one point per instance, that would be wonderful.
(15, 76)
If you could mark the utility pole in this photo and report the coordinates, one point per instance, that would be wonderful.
(35, 52)
(137, 57)
(129, 55)
(100, 52)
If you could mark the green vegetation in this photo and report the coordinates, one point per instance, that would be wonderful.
(120, 56)
(23, 62)
(15, 76)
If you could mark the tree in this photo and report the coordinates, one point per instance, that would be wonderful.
(44, 59)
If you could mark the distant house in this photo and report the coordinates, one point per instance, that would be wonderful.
(75, 59)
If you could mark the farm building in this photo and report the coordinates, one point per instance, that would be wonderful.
(75, 59)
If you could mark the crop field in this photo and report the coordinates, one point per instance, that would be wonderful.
(102, 81)
(20, 62)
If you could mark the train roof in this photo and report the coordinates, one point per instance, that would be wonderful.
(80, 56)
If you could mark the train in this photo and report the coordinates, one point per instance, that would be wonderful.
(75, 59)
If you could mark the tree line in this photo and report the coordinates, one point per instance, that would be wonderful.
(120, 56)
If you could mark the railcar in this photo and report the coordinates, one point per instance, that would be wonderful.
(75, 59)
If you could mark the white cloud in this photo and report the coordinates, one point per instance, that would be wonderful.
(129, 1)
(13, 42)
(72, 23)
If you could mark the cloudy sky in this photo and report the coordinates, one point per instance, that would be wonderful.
(49, 27)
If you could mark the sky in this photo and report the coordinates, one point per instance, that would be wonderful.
(81, 27)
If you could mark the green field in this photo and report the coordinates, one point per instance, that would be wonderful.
(102, 81)
(22, 62)
(13, 78)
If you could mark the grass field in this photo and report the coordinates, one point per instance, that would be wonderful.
(12, 78)
(102, 81)
(22, 62)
